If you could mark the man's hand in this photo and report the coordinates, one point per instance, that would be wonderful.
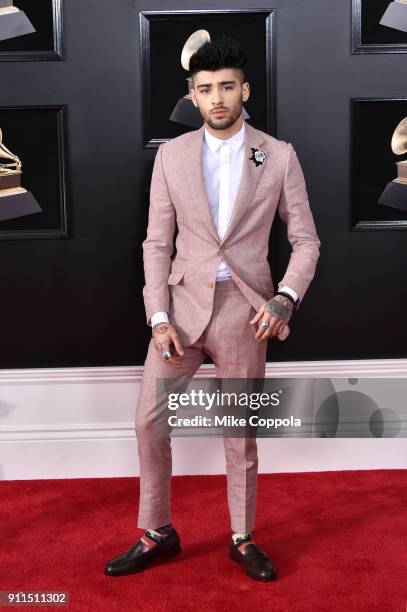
(166, 339)
(277, 312)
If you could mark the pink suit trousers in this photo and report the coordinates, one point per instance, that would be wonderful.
(229, 340)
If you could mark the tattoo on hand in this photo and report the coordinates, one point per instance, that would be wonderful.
(280, 307)
(161, 329)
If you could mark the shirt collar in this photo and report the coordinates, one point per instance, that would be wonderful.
(235, 141)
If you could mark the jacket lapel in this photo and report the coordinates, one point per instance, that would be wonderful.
(251, 174)
(195, 180)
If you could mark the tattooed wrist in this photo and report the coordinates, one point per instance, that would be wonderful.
(279, 306)
(160, 328)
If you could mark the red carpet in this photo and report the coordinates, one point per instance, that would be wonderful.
(338, 540)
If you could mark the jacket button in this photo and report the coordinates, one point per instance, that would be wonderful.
(221, 248)
(210, 284)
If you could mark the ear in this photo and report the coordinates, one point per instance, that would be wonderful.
(246, 91)
(192, 91)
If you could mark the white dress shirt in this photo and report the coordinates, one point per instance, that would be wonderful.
(222, 171)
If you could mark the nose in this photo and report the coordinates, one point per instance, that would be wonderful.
(217, 99)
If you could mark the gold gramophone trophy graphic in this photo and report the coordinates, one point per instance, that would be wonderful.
(395, 16)
(395, 193)
(13, 21)
(185, 111)
(15, 201)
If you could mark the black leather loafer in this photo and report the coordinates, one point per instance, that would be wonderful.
(257, 563)
(135, 560)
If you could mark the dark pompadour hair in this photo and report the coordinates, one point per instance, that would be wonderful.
(221, 52)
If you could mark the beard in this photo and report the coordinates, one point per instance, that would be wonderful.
(222, 123)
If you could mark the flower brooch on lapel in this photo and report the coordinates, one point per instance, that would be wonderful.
(258, 156)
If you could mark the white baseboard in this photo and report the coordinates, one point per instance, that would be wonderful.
(79, 423)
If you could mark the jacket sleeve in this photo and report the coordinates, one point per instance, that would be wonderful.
(294, 210)
(158, 246)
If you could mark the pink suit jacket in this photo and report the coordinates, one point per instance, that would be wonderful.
(184, 284)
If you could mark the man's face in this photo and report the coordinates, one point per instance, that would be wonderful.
(219, 90)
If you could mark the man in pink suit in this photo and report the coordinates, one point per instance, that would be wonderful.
(221, 186)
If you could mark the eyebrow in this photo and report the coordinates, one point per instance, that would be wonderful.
(222, 83)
